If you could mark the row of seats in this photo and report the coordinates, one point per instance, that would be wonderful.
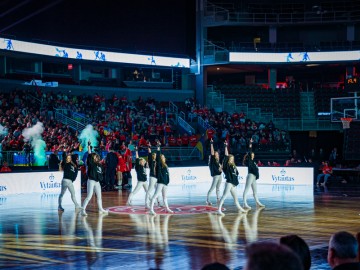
(282, 103)
(322, 98)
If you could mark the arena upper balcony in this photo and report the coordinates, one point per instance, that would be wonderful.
(79, 67)
(280, 13)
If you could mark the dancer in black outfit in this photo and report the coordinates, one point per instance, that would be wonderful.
(163, 180)
(140, 168)
(231, 175)
(70, 173)
(253, 175)
(215, 171)
(95, 174)
(152, 177)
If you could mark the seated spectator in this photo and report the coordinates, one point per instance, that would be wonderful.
(185, 140)
(343, 251)
(168, 128)
(275, 164)
(179, 141)
(326, 173)
(299, 246)
(172, 140)
(193, 140)
(271, 256)
(5, 167)
(287, 163)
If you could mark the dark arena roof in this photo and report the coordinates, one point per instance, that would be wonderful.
(133, 26)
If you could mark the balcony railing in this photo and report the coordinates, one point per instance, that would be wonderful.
(221, 15)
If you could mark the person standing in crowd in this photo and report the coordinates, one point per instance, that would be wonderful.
(95, 174)
(163, 179)
(111, 161)
(140, 168)
(74, 156)
(127, 155)
(343, 251)
(251, 178)
(120, 168)
(215, 171)
(334, 157)
(70, 173)
(27, 151)
(232, 181)
(54, 161)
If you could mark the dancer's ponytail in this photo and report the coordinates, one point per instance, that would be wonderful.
(246, 156)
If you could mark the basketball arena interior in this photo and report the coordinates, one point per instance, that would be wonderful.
(277, 81)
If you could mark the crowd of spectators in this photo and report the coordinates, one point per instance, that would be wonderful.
(115, 119)
(119, 120)
(237, 129)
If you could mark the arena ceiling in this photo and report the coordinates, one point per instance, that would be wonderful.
(132, 26)
(162, 26)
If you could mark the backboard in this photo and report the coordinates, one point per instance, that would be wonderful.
(345, 107)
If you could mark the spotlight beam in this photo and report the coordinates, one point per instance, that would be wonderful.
(14, 8)
(31, 15)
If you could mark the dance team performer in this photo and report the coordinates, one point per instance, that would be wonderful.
(215, 171)
(95, 174)
(231, 176)
(152, 178)
(163, 180)
(140, 168)
(253, 175)
(70, 173)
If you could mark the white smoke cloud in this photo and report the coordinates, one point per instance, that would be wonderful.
(33, 135)
(88, 134)
(3, 131)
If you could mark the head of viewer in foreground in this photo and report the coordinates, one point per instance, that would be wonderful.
(343, 250)
(271, 256)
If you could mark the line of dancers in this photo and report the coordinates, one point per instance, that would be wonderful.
(95, 177)
(159, 177)
(228, 167)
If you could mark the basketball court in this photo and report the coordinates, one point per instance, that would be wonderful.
(35, 235)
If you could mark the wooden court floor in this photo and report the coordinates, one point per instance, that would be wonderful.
(41, 237)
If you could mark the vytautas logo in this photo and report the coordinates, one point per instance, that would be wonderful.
(2, 200)
(282, 177)
(188, 176)
(50, 183)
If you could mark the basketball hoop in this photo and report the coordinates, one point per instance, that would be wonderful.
(346, 122)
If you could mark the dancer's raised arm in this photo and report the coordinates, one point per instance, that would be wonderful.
(212, 147)
(226, 148)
